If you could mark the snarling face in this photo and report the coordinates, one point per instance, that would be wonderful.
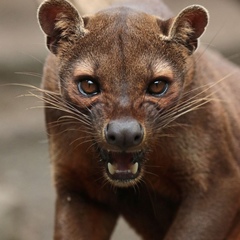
(123, 71)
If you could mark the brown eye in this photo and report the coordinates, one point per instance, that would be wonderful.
(158, 87)
(88, 87)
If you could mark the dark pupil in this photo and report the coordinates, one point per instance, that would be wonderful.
(157, 87)
(88, 86)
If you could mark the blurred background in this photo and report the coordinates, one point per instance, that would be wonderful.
(26, 192)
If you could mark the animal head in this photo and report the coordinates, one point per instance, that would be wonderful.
(122, 69)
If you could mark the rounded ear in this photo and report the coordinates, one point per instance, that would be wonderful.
(188, 26)
(61, 23)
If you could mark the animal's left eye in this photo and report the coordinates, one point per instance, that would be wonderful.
(88, 86)
(158, 87)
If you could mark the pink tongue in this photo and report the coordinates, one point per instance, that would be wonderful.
(122, 161)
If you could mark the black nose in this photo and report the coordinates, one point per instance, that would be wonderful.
(124, 133)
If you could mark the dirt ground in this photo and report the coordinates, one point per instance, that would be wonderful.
(26, 192)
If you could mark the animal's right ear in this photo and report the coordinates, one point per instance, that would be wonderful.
(62, 24)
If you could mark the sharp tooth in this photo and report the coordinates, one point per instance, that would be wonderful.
(111, 169)
(134, 168)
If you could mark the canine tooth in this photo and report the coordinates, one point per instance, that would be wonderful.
(134, 168)
(111, 169)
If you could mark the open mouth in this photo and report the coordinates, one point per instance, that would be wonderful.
(122, 167)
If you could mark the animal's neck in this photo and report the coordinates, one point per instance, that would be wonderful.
(154, 7)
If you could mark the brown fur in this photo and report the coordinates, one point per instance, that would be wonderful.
(188, 184)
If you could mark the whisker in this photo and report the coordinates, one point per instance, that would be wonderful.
(32, 74)
(82, 142)
(150, 173)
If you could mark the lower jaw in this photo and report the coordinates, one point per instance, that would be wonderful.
(123, 183)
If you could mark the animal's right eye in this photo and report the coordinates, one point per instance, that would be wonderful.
(87, 86)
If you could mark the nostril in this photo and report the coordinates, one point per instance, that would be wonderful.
(112, 138)
(111, 134)
(139, 134)
(137, 138)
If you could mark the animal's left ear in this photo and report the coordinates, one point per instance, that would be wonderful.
(188, 26)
